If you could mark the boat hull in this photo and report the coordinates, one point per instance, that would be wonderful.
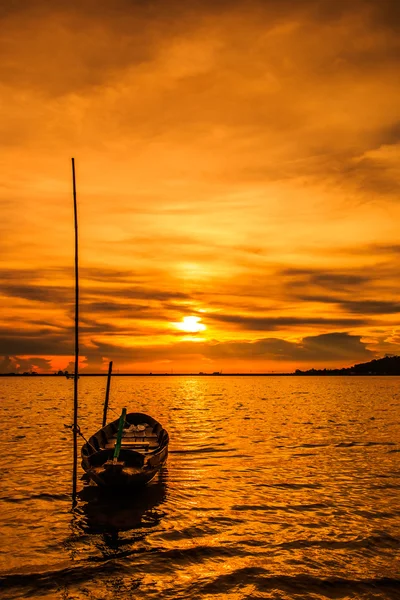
(141, 457)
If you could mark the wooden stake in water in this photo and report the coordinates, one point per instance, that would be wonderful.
(75, 426)
(107, 394)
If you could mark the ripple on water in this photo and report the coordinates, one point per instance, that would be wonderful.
(232, 516)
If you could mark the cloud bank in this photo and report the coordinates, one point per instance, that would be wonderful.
(235, 161)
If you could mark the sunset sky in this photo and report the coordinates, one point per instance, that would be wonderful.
(238, 167)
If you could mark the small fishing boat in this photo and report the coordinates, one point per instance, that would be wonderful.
(127, 452)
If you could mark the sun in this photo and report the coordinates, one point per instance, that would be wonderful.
(191, 325)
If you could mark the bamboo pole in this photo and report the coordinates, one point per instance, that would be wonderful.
(107, 394)
(75, 426)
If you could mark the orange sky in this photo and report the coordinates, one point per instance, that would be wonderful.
(236, 162)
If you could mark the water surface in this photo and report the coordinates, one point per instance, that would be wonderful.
(275, 487)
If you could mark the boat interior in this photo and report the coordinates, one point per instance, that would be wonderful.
(139, 437)
(141, 433)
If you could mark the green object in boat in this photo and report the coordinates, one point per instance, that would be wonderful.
(119, 434)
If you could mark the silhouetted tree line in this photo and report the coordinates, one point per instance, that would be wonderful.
(389, 365)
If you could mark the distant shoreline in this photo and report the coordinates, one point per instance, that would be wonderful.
(150, 375)
(388, 366)
(206, 375)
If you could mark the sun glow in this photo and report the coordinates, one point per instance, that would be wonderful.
(190, 325)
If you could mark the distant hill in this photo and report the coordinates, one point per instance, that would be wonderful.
(389, 365)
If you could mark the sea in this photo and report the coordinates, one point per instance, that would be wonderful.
(275, 487)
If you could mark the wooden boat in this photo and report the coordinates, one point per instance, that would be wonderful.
(127, 452)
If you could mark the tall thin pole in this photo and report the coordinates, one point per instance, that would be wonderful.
(107, 394)
(75, 427)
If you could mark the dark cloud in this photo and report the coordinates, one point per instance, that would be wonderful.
(93, 363)
(148, 294)
(339, 347)
(106, 274)
(320, 348)
(388, 251)
(57, 340)
(15, 364)
(106, 38)
(34, 343)
(383, 249)
(332, 347)
(359, 307)
(94, 46)
(262, 323)
(7, 364)
(92, 326)
(372, 174)
(360, 291)
(22, 330)
(100, 46)
(114, 308)
(389, 135)
(384, 13)
(39, 293)
(325, 278)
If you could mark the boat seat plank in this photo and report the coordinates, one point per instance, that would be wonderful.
(133, 445)
(134, 436)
